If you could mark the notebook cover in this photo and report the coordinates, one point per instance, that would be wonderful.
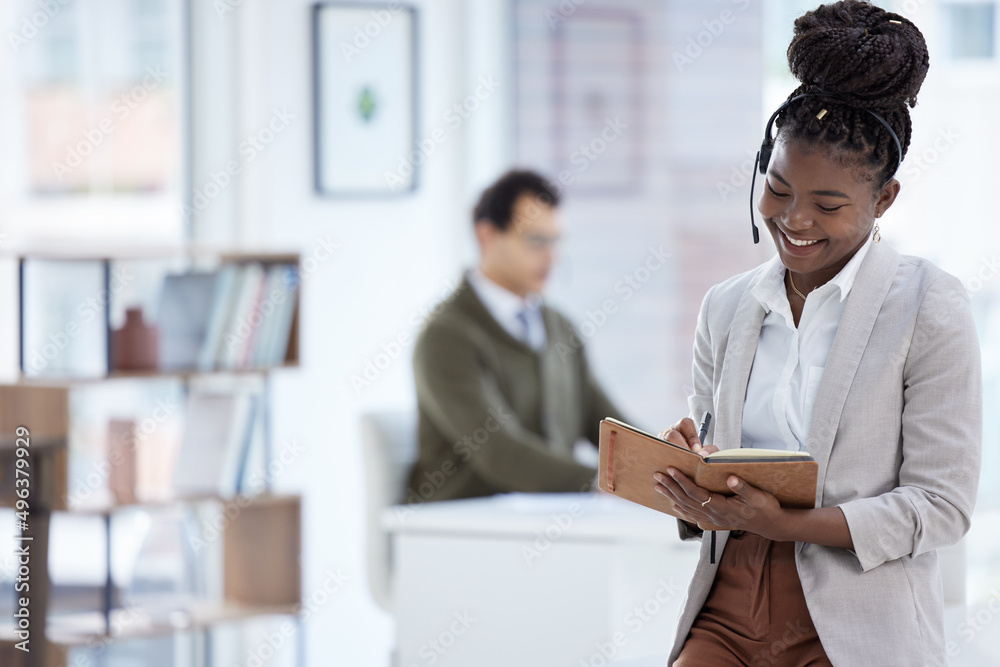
(628, 460)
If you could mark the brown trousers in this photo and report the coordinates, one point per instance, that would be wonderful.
(755, 614)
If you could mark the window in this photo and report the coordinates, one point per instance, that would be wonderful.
(971, 29)
(94, 143)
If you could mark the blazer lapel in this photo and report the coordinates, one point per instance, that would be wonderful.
(856, 323)
(737, 362)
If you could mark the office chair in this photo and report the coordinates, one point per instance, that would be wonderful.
(390, 449)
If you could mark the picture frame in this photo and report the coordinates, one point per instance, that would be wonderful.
(365, 65)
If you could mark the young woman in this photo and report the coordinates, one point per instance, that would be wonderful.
(842, 347)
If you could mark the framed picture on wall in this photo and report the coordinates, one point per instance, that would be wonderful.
(364, 91)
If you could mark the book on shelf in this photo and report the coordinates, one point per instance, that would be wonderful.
(183, 317)
(240, 328)
(218, 431)
(241, 318)
(630, 456)
(123, 479)
(275, 331)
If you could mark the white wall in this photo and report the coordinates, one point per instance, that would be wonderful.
(393, 257)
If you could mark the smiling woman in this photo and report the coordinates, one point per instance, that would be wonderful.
(819, 215)
(841, 138)
(841, 347)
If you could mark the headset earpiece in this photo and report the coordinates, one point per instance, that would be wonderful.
(764, 156)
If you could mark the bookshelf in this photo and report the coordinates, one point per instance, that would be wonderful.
(261, 548)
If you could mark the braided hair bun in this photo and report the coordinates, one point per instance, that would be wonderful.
(869, 59)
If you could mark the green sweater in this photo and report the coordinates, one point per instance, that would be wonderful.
(495, 415)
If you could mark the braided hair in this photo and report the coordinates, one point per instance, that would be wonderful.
(867, 58)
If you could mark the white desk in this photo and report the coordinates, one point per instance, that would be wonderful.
(535, 580)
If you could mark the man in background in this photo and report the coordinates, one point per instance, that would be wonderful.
(504, 390)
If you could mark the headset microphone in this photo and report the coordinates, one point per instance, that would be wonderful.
(753, 181)
(764, 154)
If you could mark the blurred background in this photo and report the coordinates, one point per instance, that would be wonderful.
(135, 130)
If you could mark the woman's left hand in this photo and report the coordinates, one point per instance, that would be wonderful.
(751, 509)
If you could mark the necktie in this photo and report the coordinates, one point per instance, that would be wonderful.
(522, 317)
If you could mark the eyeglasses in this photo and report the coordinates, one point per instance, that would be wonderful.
(540, 241)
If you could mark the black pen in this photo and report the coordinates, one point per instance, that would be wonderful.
(706, 419)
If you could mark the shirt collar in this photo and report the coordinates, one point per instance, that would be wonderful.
(500, 301)
(769, 290)
(845, 278)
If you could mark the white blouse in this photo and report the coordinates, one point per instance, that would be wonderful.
(789, 362)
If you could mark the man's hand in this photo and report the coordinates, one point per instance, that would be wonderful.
(751, 509)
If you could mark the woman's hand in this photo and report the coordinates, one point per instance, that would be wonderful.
(685, 434)
(751, 509)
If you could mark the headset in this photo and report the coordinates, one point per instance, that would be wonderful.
(764, 154)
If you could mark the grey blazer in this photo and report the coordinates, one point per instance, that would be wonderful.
(897, 431)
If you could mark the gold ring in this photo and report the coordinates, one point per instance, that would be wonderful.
(707, 501)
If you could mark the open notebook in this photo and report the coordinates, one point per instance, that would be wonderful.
(629, 456)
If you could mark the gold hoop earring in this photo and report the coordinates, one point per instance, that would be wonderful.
(876, 236)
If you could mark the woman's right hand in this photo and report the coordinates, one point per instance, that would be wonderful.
(685, 434)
